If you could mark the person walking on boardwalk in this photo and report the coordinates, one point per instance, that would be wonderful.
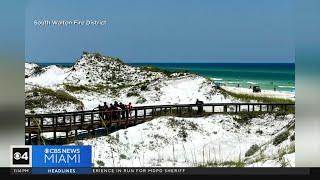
(105, 108)
(123, 107)
(200, 106)
(130, 109)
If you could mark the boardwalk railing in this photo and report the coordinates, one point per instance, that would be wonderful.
(93, 119)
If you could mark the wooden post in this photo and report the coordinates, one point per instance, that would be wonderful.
(236, 108)
(285, 107)
(136, 113)
(248, 107)
(64, 119)
(252, 107)
(28, 121)
(145, 113)
(41, 125)
(177, 114)
(170, 110)
(135, 116)
(267, 107)
(82, 120)
(212, 109)
(202, 109)
(160, 111)
(119, 117)
(74, 119)
(70, 122)
(189, 110)
(272, 107)
(260, 107)
(127, 114)
(180, 111)
(76, 133)
(153, 111)
(30, 142)
(92, 119)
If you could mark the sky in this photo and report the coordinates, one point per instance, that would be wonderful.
(186, 31)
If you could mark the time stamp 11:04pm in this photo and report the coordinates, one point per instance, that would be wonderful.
(68, 23)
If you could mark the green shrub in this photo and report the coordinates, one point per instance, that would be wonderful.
(36, 103)
(144, 88)
(253, 149)
(37, 70)
(72, 88)
(183, 134)
(79, 143)
(244, 117)
(280, 114)
(141, 100)
(122, 156)
(155, 69)
(100, 163)
(292, 138)
(280, 138)
(98, 56)
(259, 131)
(59, 95)
(132, 94)
(119, 61)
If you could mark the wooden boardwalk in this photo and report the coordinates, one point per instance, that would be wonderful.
(93, 119)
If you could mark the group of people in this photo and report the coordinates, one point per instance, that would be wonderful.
(113, 110)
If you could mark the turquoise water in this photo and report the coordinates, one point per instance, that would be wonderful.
(267, 75)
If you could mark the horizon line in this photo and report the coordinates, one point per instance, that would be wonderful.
(181, 62)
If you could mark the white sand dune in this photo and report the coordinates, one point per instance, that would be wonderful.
(189, 142)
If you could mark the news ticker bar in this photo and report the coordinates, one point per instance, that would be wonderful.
(164, 171)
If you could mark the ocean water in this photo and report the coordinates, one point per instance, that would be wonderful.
(266, 75)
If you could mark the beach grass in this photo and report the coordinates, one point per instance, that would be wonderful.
(60, 95)
(155, 69)
(72, 88)
(281, 137)
(247, 97)
(244, 116)
(44, 96)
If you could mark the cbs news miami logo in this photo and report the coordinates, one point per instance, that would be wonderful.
(51, 156)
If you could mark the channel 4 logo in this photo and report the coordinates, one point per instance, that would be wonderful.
(20, 156)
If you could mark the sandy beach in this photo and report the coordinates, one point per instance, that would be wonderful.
(263, 93)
